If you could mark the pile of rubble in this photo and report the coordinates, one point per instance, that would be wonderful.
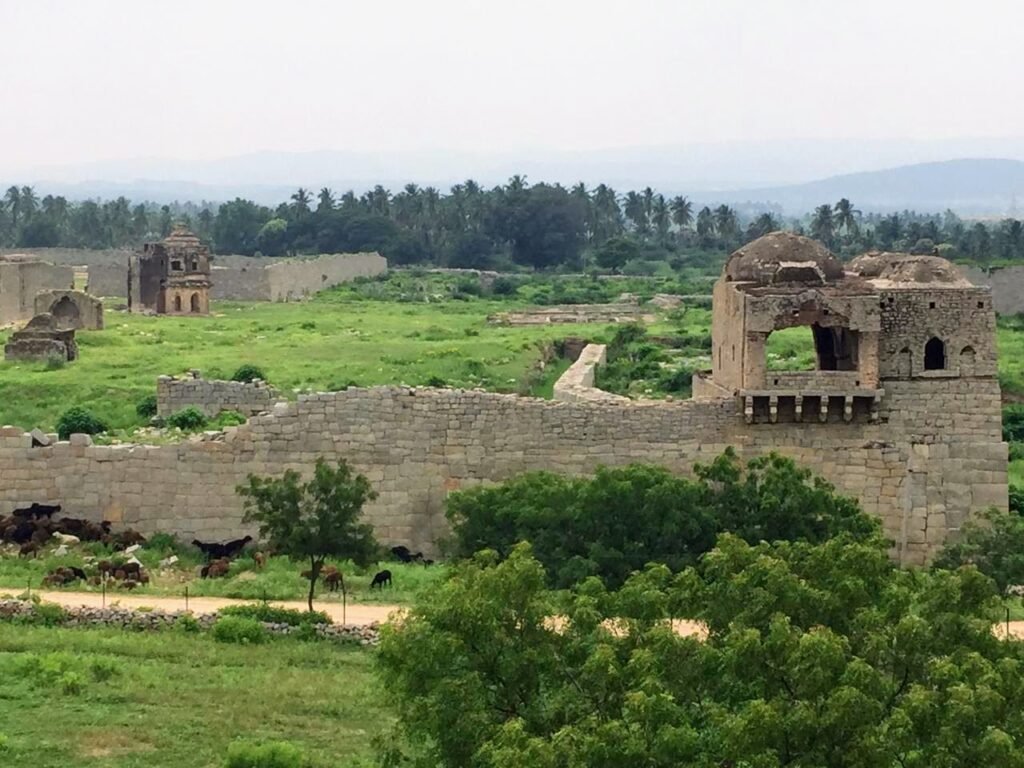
(145, 620)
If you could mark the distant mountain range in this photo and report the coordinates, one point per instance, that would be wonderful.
(791, 176)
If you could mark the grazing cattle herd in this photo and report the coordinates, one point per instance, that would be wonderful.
(36, 526)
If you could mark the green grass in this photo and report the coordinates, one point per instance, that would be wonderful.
(323, 344)
(279, 580)
(177, 700)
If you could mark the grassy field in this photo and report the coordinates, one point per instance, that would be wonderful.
(113, 699)
(279, 580)
(323, 344)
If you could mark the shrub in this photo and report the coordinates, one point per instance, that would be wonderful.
(1013, 423)
(4, 745)
(273, 754)
(275, 615)
(248, 373)
(46, 615)
(77, 420)
(240, 630)
(162, 542)
(187, 623)
(188, 419)
(436, 381)
(102, 669)
(146, 407)
(228, 419)
(504, 286)
(71, 683)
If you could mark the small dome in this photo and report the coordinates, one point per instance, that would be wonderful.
(907, 268)
(782, 257)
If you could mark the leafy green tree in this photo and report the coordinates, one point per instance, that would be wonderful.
(238, 225)
(994, 544)
(682, 212)
(273, 238)
(812, 655)
(615, 252)
(578, 528)
(313, 520)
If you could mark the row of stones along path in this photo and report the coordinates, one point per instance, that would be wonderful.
(356, 613)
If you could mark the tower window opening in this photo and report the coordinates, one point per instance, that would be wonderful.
(934, 355)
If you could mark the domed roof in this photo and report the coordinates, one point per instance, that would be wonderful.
(783, 257)
(907, 268)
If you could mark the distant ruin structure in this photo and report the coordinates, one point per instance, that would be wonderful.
(171, 277)
(42, 339)
(76, 310)
(21, 278)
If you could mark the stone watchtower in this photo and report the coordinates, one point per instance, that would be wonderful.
(904, 374)
(171, 277)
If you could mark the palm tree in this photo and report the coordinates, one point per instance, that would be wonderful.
(823, 225)
(300, 201)
(636, 212)
(705, 225)
(607, 213)
(13, 198)
(682, 212)
(846, 216)
(761, 226)
(661, 218)
(726, 222)
(29, 203)
(325, 200)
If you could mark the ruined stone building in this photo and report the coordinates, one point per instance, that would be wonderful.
(42, 339)
(21, 278)
(171, 277)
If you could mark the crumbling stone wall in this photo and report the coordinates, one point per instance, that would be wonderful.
(108, 280)
(211, 397)
(300, 278)
(935, 456)
(71, 309)
(576, 385)
(21, 279)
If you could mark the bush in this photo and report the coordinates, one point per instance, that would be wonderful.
(274, 754)
(577, 527)
(102, 669)
(55, 362)
(504, 286)
(240, 630)
(146, 407)
(248, 373)
(436, 381)
(1013, 423)
(228, 419)
(187, 623)
(275, 615)
(189, 419)
(77, 420)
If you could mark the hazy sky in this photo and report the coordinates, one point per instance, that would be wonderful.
(87, 80)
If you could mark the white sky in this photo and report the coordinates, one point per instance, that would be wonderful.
(84, 80)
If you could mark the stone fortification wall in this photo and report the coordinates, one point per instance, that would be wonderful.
(108, 280)
(935, 456)
(576, 385)
(76, 256)
(239, 283)
(212, 397)
(1007, 284)
(299, 278)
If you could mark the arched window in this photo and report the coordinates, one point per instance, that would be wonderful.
(934, 355)
(195, 302)
(177, 303)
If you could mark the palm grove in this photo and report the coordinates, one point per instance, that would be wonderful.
(515, 224)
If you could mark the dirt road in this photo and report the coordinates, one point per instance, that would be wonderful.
(358, 613)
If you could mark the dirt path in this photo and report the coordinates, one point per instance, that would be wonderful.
(359, 613)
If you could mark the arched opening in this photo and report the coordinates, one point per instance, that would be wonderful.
(177, 303)
(967, 361)
(904, 363)
(812, 348)
(195, 302)
(66, 313)
(934, 355)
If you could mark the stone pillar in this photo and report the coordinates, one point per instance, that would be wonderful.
(754, 361)
(867, 358)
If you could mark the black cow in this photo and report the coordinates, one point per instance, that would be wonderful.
(37, 511)
(382, 578)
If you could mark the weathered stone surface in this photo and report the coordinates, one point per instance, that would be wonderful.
(41, 339)
(212, 397)
(71, 309)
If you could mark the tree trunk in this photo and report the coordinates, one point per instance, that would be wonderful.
(314, 573)
(344, 602)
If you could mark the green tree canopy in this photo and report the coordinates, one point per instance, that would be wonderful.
(815, 654)
(615, 522)
(313, 520)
